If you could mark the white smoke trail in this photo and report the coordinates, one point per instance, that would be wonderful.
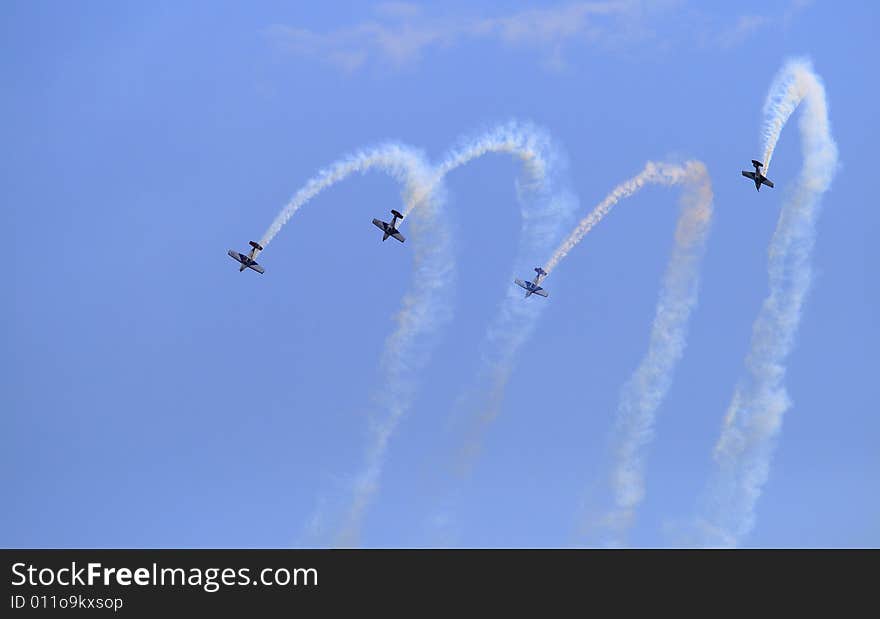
(532, 147)
(517, 317)
(544, 209)
(528, 143)
(401, 162)
(786, 93)
(643, 393)
(653, 173)
(523, 140)
(754, 417)
(425, 307)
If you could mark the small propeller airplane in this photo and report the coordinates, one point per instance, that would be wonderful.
(756, 176)
(248, 262)
(390, 229)
(533, 287)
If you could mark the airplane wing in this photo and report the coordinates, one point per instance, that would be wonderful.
(256, 267)
(520, 283)
(379, 224)
(767, 182)
(399, 237)
(750, 175)
(235, 256)
(540, 291)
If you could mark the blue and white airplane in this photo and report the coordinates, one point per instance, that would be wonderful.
(248, 262)
(756, 176)
(390, 229)
(533, 287)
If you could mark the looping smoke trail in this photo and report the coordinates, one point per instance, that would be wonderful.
(403, 163)
(424, 310)
(545, 209)
(655, 173)
(786, 92)
(525, 141)
(643, 393)
(425, 307)
(754, 417)
(399, 361)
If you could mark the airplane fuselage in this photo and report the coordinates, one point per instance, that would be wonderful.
(390, 229)
(756, 176)
(536, 283)
(247, 261)
(759, 178)
(534, 286)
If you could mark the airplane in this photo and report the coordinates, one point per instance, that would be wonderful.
(757, 176)
(533, 287)
(390, 229)
(247, 262)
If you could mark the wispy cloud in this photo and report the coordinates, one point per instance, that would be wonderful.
(400, 33)
(743, 29)
(729, 35)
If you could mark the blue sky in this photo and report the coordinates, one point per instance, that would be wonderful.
(152, 396)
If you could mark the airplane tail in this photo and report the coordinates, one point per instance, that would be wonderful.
(757, 163)
(257, 248)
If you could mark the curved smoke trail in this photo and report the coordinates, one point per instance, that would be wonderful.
(653, 173)
(643, 393)
(528, 143)
(544, 209)
(532, 147)
(425, 307)
(404, 164)
(754, 417)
